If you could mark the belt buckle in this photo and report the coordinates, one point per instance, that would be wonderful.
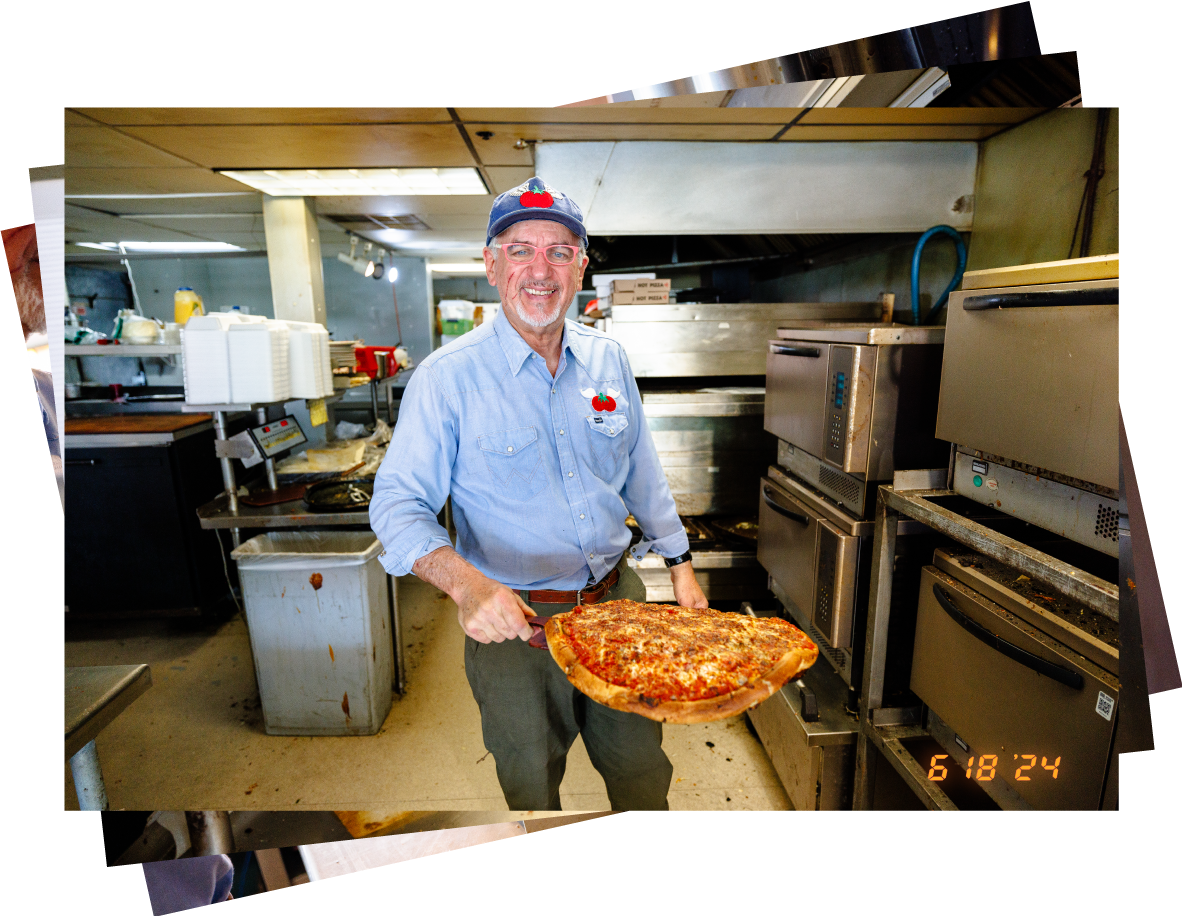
(579, 597)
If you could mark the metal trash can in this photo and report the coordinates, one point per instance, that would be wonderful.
(318, 611)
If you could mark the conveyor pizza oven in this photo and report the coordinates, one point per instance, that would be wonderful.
(1029, 395)
(712, 446)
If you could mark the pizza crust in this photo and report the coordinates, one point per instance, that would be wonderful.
(682, 712)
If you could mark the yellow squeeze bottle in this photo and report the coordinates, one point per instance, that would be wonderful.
(186, 304)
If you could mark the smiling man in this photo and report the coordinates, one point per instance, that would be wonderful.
(533, 425)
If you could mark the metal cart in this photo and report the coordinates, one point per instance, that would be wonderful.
(226, 512)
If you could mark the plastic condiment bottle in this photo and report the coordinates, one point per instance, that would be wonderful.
(186, 304)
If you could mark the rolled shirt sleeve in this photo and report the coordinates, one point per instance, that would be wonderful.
(646, 492)
(410, 490)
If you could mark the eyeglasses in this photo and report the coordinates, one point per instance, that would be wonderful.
(558, 255)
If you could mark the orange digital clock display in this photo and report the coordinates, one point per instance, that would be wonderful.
(987, 767)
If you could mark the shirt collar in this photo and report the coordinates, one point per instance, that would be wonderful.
(517, 351)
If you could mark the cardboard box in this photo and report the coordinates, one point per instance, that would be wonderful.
(656, 297)
(639, 286)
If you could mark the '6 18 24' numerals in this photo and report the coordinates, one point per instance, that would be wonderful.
(987, 765)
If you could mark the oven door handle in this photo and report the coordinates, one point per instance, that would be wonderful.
(785, 350)
(1050, 297)
(1059, 673)
(776, 507)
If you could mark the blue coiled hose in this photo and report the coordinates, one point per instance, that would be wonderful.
(961, 259)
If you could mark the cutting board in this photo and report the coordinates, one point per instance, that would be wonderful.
(135, 423)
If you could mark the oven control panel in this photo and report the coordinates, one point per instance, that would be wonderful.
(841, 378)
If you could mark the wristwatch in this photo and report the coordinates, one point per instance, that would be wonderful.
(677, 561)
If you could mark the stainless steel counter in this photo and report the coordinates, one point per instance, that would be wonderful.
(294, 514)
(131, 440)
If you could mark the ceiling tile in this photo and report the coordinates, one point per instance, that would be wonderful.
(616, 114)
(248, 202)
(473, 222)
(148, 181)
(499, 149)
(919, 115)
(868, 132)
(246, 222)
(107, 148)
(397, 206)
(213, 116)
(506, 178)
(314, 146)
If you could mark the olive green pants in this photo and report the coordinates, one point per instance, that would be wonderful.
(530, 715)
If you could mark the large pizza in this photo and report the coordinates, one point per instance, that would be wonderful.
(676, 664)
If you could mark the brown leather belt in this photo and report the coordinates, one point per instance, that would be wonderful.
(592, 595)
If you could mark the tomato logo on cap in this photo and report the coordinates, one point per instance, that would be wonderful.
(537, 199)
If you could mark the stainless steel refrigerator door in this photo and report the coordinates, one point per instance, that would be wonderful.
(1034, 381)
(1034, 713)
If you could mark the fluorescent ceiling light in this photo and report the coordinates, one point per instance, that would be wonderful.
(360, 182)
(179, 247)
(472, 267)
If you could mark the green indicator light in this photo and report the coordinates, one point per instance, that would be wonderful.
(976, 480)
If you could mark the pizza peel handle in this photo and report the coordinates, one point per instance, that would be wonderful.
(538, 639)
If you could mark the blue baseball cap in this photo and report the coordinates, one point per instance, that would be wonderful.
(534, 200)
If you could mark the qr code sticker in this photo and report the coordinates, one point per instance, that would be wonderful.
(1104, 704)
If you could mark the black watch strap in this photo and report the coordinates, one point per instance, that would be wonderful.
(677, 561)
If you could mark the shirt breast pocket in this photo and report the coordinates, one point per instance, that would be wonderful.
(514, 459)
(609, 446)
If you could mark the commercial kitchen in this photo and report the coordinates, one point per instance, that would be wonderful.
(876, 347)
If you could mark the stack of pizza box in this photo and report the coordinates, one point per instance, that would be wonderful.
(640, 292)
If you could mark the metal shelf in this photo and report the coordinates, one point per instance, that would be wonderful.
(887, 738)
(246, 408)
(293, 514)
(124, 350)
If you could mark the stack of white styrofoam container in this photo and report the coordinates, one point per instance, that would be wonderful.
(206, 357)
(259, 361)
(311, 373)
(326, 363)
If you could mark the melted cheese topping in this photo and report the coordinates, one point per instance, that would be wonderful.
(665, 652)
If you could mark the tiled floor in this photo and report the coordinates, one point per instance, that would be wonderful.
(195, 740)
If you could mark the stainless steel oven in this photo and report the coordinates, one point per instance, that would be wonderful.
(712, 446)
(810, 739)
(817, 558)
(852, 403)
(1029, 395)
(1025, 679)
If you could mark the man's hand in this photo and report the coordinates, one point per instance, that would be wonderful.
(686, 590)
(490, 612)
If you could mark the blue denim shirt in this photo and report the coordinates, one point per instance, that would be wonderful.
(540, 481)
